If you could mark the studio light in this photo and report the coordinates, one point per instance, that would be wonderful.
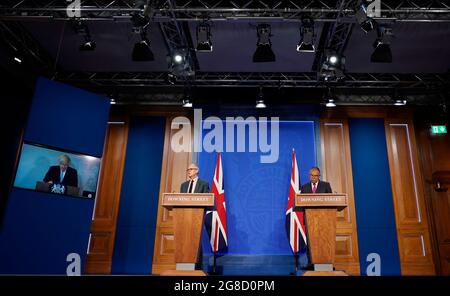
(142, 51)
(112, 102)
(18, 60)
(260, 100)
(333, 66)
(330, 103)
(366, 23)
(178, 58)
(171, 78)
(260, 104)
(329, 99)
(333, 59)
(382, 45)
(306, 43)
(204, 38)
(400, 102)
(179, 63)
(187, 103)
(263, 51)
(89, 45)
(83, 30)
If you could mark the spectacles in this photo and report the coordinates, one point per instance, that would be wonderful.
(190, 169)
(314, 175)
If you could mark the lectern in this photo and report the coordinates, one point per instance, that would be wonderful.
(320, 210)
(188, 211)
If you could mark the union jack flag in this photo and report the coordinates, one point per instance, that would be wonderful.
(295, 223)
(216, 220)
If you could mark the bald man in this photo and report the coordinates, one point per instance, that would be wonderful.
(315, 185)
(194, 184)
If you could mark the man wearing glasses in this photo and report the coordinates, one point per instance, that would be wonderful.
(194, 184)
(315, 185)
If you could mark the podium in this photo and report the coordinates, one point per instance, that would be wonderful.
(188, 211)
(45, 187)
(320, 210)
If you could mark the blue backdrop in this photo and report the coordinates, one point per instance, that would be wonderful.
(40, 229)
(373, 195)
(136, 224)
(256, 197)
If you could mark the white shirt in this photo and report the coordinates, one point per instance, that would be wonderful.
(62, 174)
(193, 185)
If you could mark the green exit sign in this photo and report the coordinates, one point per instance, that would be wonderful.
(438, 129)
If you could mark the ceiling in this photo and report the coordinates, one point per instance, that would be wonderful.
(420, 49)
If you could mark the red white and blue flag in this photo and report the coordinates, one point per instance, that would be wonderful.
(216, 220)
(295, 223)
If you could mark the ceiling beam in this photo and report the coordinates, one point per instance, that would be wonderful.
(220, 10)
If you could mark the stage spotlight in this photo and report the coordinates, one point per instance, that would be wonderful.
(204, 37)
(263, 51)
(142, 51)
(382, 52)
(400, 102)
(112, 102)
(365, 22)
(83, 30)
(187, 102)
(329, 99)
(171, 78)
(178, 58)
(260, 104)
(18, 60)
(260, 100)
(87, 46)
(330, 103)
(306, 43)
(333, 66)
(333, 59)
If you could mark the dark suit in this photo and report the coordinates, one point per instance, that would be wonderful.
(70, 178)
(200, 187)
(322, 187)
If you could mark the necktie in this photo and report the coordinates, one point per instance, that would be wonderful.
(190, 186)
(314, 188)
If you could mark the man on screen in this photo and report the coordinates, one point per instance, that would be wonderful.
(194, 184)
(315, 185)
(62, 174)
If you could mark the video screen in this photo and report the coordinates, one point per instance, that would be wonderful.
(57, 171)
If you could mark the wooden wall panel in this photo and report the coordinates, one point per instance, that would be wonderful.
(409, 203)
(436, 165)
(337, 169)
(173, 173)
(103, 229)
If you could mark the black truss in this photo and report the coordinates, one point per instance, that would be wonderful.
(216, 10)
(247, 79)
(22, 44)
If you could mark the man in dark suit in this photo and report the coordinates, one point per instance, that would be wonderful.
(62, 174)
(315, 185)
(194, 184)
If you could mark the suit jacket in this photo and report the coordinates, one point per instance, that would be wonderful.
(70, 178)
(200, 187)
(322, 187)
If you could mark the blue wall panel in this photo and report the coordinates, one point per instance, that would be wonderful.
(256, 196)
(135, 233)
(67, 117)
(373, 195)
